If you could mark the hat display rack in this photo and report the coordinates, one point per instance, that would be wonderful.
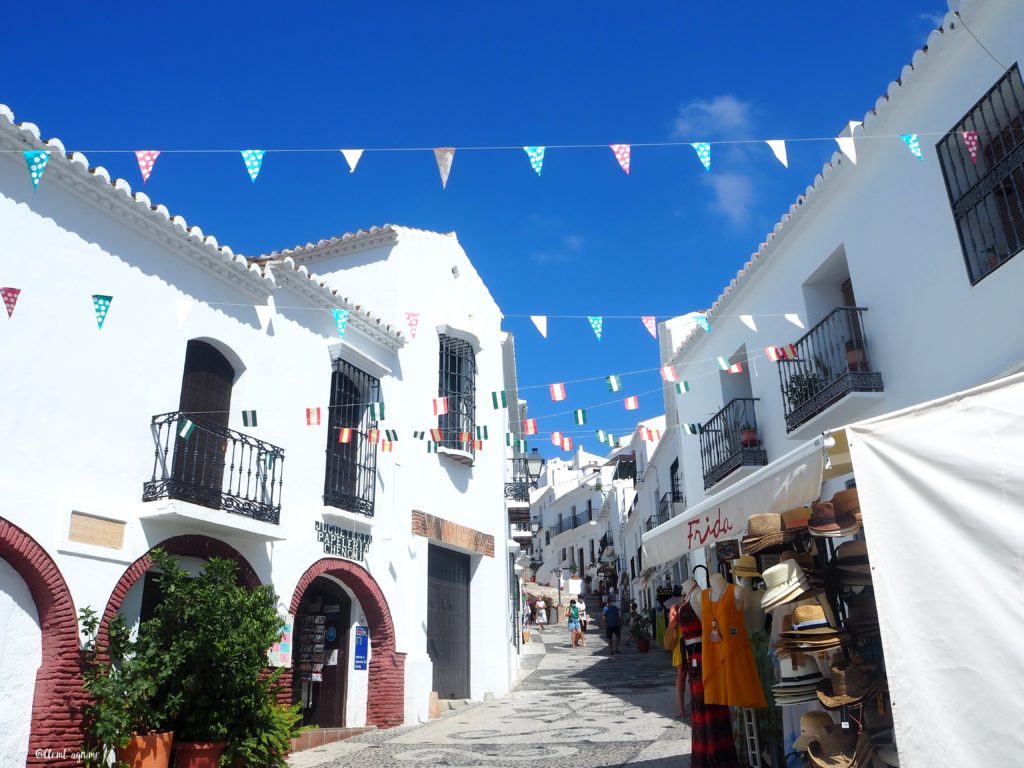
(820, 551)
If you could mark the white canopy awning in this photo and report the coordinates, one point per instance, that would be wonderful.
(790, 481)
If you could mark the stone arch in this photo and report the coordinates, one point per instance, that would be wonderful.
(58, 698)
(386, 705)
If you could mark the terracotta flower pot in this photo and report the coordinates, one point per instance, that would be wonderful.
(748, 437)
(150, 751)
(643, 644)
(198, 754)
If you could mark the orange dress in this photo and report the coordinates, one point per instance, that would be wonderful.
(730, 675)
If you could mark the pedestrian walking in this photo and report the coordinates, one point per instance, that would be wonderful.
(542, 614)
(612, 627)
(583, 622)
(573, 623)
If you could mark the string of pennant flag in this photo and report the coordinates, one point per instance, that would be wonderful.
(37, 159)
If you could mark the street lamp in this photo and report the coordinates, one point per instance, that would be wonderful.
(535, 526)
(534, 465)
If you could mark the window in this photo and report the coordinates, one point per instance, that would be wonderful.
(987, 195)
(547, 537)
(563, 554)
(593, 559)
(457, 370)
(351, 474)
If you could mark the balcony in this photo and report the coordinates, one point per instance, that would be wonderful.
(215, 467)
(832, 364)
(569, 523)
(517, 492)
(729, 442)
(654, 521)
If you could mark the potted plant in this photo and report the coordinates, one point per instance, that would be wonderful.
(219, 634)
(855, 355)
(131, 701)
(641, 630)
(800, 388)
(263, 738)
(748, 436)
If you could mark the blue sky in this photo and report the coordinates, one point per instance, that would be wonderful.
(583, 239)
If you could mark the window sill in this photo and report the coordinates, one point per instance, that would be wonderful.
(462, 457)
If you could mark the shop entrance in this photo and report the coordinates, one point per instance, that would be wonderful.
(320, 660)
(448, 621)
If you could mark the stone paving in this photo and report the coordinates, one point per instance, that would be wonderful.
(573, 707)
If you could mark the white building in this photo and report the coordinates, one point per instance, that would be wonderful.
(405, 547)
(905, 273)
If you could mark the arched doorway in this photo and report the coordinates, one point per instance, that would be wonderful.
(57, 694)
(323, 623)
(21, 653)
(385, 706)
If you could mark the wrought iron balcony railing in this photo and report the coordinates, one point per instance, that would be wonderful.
(518, 491)
(654, 521)
(832, 361)
(729, 441)
(215, 467)
(575, 521)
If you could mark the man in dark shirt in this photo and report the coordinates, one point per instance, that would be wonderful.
(612, 626)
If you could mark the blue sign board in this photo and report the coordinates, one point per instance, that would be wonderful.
(362, 647)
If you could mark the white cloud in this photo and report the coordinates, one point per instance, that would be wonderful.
(573, 243)
(571, 247)
(734, 195)
(723, 117)
(933, 20)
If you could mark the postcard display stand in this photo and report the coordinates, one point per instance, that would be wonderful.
(312, 631)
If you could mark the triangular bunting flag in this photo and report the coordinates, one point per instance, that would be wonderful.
(614, 383)
(566, 443)
(848, 148)
(910, 139)
(341, 321)
(794, 318)
(377, 411)
(748, 320)
(632, 403)
(704, 153)
(263, 314)
(187, 428)
(146, 158)
(499, 400)
(36, 160)
(440, 406)
(702, 321)
(481, 433)
(971, 142)
(682, 386)
(580, 416)
(596, 323)
(352, 158)
(651, 324)
(312, 417)
(622, 155)
(536, 155)
(253, 161)
(556, 438)
(437, 435)
(541, 321)
(372, 435)
(557, 392)
(345, 435)
(529, 426)
(249, 419)
(10, 297)
(102, 305)
(412, 319)
(779, 148)
(444, 157)
(668, 373)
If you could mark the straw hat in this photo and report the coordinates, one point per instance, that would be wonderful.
(813, 727)
(798, 670)
(783, 582)
(840, 749)
(826, 521)
(811, 619)
(766, 530)
(796, 517)
(852, 553)
(850, 683)
(848, 502)
(745, 565)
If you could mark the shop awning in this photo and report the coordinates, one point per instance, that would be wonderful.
(790, 481)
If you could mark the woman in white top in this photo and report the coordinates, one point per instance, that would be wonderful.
(583, 621)
(542, 613)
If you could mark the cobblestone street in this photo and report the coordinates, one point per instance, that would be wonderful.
(575, 707)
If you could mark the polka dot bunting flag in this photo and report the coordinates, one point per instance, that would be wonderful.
(146, 158)
(622, 155)
(915, 146)
(341, 320)
(536, 155)
(703, 152)
(412, 319)
(444, 157)
(253, 161)
(971, 142)
(102, 305)
(36, 159)
(596, 323)
(10, 297)
(651, 325)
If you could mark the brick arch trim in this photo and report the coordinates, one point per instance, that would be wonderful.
(385, 707)
(202, 547)
(59, 696)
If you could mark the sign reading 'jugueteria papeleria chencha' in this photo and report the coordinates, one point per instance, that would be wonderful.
(342, 542)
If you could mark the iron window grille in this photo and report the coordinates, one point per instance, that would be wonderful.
(351, 475)
(987, 195)
(457, 369)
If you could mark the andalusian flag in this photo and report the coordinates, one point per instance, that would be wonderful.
(632, 403)
(691, 429)
(312, 417)
(521, 446)
(611, 440)
(437, 435)
(419, 434)
(372, 435)
(440, 406)
(601, 436)
(391, 435)
(723, 364)
(580, 415)
(345, 435)
(249, 418)
(668, 373)
(431, 446)
(499, 400)
(557, 392)
(187, 428)
(614, 383)
(510, 439)
(682, 386)
(376, 411)
(481, 433)
(529, 426)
